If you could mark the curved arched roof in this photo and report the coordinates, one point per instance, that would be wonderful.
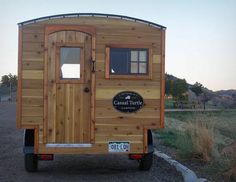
(74, 15)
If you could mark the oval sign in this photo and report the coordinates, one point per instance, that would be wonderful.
(127, 102)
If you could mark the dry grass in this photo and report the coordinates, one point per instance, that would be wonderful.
(229, 151)
(209, 137)
(230, 174)
(201, 132)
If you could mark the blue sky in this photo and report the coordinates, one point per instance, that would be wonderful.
(200, 39)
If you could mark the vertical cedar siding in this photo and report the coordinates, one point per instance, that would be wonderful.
(107, 123)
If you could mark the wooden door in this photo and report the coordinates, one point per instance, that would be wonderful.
(69, 87)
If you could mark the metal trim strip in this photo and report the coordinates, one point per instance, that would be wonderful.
(91, 15)
(68, 145)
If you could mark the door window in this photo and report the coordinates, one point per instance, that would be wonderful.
(70, 63)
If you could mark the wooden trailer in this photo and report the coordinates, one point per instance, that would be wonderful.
(90, 84)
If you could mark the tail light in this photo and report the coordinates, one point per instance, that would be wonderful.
(45, 157)
(135, 156)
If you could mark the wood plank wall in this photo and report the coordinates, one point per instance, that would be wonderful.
(109, 124)
(32, 75)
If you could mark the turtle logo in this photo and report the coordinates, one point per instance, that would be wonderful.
(127, 97)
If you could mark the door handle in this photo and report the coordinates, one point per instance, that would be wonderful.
(93, 65)
(86, 89)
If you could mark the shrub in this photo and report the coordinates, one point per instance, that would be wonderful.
(229, 152)
(230, 174)
(185, 145)
(198, 139)
(168, 137)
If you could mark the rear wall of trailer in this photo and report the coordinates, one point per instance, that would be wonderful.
(107, 124)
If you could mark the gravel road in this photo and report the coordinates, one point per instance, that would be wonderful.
(70, 167)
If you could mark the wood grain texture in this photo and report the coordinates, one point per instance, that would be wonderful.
(32, 74)
(121, 129)
(162, 108)
(32, 83)
(32, 101)
(111, 113)
(156, 58)
(33, 37)
(33, 46)
(102, 83)
(93, 90)
(103, 138)
(37, 93)
(110, 92)
(32, 111)
(33, 65)
(56, 28)
(37, 55)
(32, 120)
(68, 106)
(39, 85)
(33, 28)
(130, 120)
(145, 140)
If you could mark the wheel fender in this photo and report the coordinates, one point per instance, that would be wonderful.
(150, 141)
(28, 141)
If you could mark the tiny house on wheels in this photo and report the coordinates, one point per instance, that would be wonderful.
(90, 84)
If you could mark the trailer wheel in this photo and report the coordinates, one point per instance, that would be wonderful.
(31, 162)
(145, 162)
(30, 159)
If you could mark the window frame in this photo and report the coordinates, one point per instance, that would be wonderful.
(147, 75)
(58, 63)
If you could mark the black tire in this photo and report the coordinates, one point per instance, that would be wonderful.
(31, 162)
(145, 162)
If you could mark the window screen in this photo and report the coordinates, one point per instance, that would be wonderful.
(125, 61)
(70, 62)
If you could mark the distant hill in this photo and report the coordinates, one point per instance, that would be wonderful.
(231, 93)
(219, 99)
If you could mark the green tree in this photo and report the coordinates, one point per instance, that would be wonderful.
(179, 88)
(5, 81)
(13, 80)
(168, 86)
(197, 88)
(201, 93)
(9, 79)
(205, 98)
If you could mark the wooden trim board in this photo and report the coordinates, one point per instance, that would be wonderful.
(55, 28)
(93, 91)
(162, 105)
(19, 82)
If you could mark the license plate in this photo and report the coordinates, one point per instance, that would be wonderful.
(119, 147)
